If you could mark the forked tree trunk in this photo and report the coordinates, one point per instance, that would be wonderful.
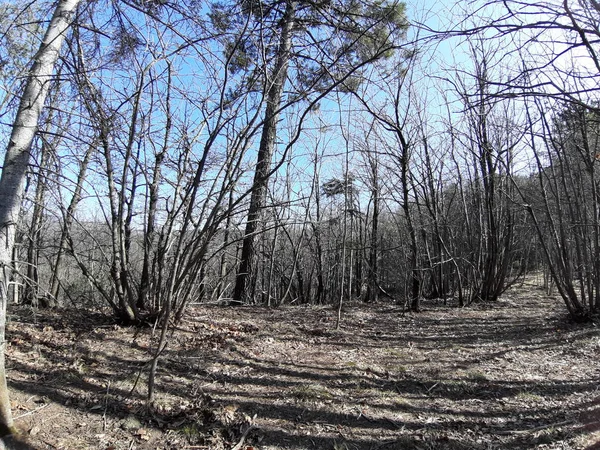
(15, 168)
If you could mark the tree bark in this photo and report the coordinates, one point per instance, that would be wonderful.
(372, 294)
(274, 92)
(15, 168)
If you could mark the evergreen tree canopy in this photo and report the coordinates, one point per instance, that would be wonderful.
(331, 40)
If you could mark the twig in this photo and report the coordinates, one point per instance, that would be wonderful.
(432, 387)
(105, 407)
(137, 379)
(533, 430)
(32, 411)
(239, 445)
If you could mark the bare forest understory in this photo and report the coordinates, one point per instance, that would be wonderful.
(513, 374)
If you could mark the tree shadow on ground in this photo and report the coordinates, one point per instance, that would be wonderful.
(363, 407)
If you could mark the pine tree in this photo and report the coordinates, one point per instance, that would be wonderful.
(312, 46)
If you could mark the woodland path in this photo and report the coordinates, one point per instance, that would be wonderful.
(515, 374)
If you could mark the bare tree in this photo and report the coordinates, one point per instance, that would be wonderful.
(371, 37)
(394, 119)
(491, 155)
(15, 166)
(563, 206)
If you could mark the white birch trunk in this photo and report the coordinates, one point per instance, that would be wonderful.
(15, 168)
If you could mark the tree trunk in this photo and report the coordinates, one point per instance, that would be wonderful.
(32, 289)
(373, 281)
(69, 216)
(415, 280)
(31, 294)
(274, 92)
(224, 267)
(15, 168)
(320, 295)
(151, 234)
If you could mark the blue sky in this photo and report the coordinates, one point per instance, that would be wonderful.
(438, 60)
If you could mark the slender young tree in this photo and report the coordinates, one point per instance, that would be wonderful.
(564, 205)
(15, 166)
(373, 176)
(394, 119)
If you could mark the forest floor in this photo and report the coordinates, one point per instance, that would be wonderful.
(515, 374)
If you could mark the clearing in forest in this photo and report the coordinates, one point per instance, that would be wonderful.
(515, 374)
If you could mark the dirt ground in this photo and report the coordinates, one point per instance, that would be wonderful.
(515, 374)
